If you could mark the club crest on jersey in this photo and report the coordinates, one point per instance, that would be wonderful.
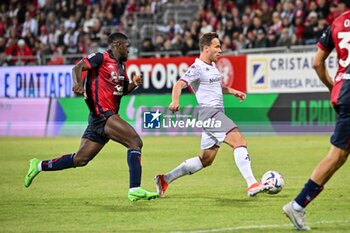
(114, 76)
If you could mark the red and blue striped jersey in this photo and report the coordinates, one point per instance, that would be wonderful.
(337, 36)
(105, 83)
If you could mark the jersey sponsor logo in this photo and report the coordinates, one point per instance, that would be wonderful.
(258, 73)
(118, 90)
(119, 80)
(215, 80)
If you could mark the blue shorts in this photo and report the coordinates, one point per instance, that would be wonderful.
(95, 130)
(341, 135)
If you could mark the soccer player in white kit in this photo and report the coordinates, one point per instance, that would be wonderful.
(205, 79)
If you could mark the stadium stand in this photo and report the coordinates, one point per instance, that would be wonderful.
(60, 32)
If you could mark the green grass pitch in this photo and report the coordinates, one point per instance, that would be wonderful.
(94, 198)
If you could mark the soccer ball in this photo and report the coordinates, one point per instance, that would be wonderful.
(275, 179)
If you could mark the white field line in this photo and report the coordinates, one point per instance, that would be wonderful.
(259, 227)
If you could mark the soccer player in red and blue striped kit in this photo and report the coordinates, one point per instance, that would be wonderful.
(104, 86)
(337, 36)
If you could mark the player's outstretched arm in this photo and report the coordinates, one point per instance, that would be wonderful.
(174, 106)
(320, 68)
(78, 87)
(240, 95)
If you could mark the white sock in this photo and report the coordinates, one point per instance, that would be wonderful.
(133, 189)
(296, 206)
(39, 166)
(188, 167)
(243, 163)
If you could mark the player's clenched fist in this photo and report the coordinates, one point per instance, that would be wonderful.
(174, 106)
(78, 89)
(137, 79)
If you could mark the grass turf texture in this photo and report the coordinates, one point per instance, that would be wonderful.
(94, 198)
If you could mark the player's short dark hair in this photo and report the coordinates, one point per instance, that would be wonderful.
(346, 2)
(206, 39)
(117, 36)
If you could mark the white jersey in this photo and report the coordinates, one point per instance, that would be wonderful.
(205, 80)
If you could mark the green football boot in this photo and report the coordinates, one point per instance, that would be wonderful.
(141, 194)
(33, 171)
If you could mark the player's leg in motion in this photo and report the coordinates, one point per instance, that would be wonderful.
(322, 173)
(188, 167)
(120, 131)
(335, 158)
(236, 140)
(87, 151)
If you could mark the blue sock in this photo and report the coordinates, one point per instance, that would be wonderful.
(63, 162)
(308, 193)
(135, 168)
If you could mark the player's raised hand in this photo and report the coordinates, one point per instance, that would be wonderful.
(240, 95)
(137, 79)
(78, 89)
(174, 106)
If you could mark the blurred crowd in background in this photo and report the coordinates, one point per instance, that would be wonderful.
(56, 28)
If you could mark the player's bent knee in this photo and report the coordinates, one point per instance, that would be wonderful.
(341, 160)
(207, 161)
(235, 139)
(240, 141)
(136, 143)
(140, 143)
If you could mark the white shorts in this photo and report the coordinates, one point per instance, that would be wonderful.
(215, 136)
(209, 140)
